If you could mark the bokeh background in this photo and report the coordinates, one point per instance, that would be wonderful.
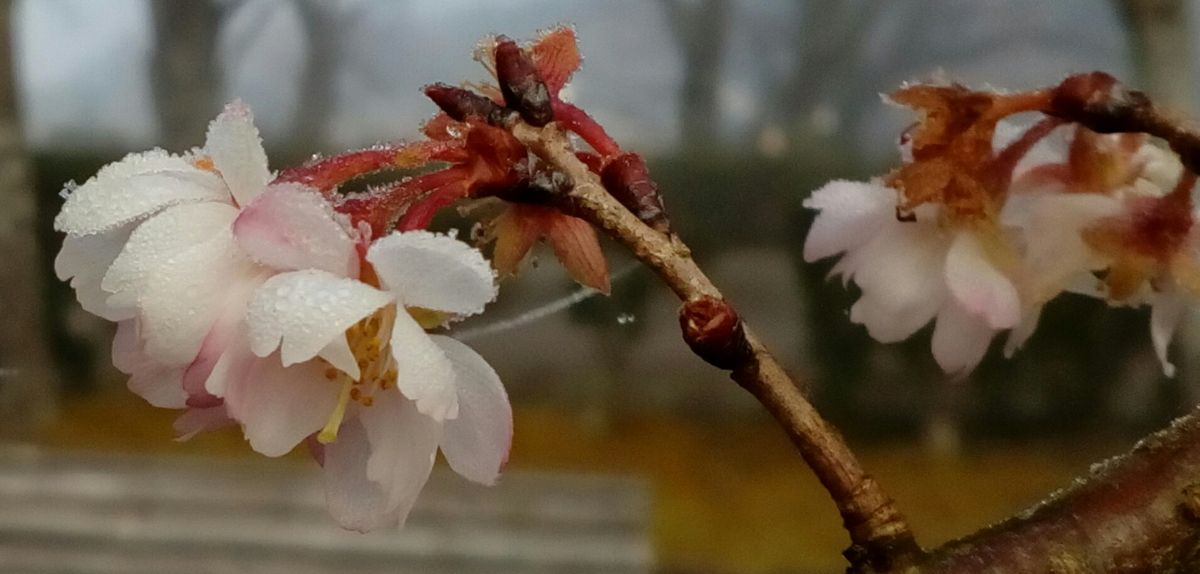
(742, 107)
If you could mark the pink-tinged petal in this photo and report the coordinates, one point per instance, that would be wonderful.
(1052, 232)
(126, 346)
(1022, 332)
(433, 271)
(195, 421)
(1167, 309)
(578, 249)
(354, 501)
(156, 241)
(227, 336)
(960, 340)
(851, 213)
(160, 385)
(293, 227)
(476, 443)
(423, 372)
(84, 260)
(186, 295)
(133, 188)
(978, 286)
(233, 366)
(900, 273)
(403, 446)
(237, 152)
(280, 406)
(300, 312)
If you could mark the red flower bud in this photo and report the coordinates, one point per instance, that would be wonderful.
(714, 332)
(628, 180)
(462, 104)
(522, 86)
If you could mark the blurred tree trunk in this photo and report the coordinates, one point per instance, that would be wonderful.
(700, 30)
(1161, 41)
(27, 382)
(318, 88)
(185, 69)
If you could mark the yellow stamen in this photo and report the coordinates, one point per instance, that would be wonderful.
(329, 433)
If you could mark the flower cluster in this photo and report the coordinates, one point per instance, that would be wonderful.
(985, 222)
(245, 300)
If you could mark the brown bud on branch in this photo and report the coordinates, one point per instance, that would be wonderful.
(462, 104)
(714, 332)
(541, 188)
(522, 86)
(628, 180)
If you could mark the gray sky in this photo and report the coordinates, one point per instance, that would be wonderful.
(83, 64)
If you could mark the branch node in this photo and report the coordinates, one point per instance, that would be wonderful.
(714, 332)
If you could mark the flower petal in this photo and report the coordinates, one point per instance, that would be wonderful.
(187, 294)
(476, 443)
(237, 152)
(424, 373)
(578, 249)
(354, 501)
(851, 213)
(556, 55)
(293, 227)
(516, 229)
(1022, 332)
(403, 446)
(174, 230)
(432, 271)
(960, 340)
(901, 278)
(195, 421)
(160, 385)
(1167, 308)
(135, 187)
(976, 283)
(301, 312)
(84, 260)
(280, 406)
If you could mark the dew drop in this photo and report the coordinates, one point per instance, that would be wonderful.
(626, 318)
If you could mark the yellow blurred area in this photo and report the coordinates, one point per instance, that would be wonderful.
(728, 497)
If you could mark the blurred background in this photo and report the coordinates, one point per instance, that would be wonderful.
(630, 454)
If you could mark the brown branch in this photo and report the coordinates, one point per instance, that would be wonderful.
(1136, 513)
(880, 536)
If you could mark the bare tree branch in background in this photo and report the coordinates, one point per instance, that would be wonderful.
(27, 383)
(700, 30)
(185, 68)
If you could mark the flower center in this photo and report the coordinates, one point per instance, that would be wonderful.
(370, 342)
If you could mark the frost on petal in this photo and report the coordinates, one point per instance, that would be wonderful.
(182, 300)
(159, 239)
(354, 501)
(423, 371)
(133, 188)
(293, 227)
(978, 286)
(476, 444)
(84, 260)
(432, 271)
(1167, 308)
(900, 273)
(300, 312)
(279, 406)
(403, 446)
(960, 340)
(237, 152)
(851, 213)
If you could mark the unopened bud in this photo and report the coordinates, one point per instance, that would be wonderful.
(714, 332)
(540, 188)
(461, 104)
(628, 180)
(1098, 101)
(522, 86)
